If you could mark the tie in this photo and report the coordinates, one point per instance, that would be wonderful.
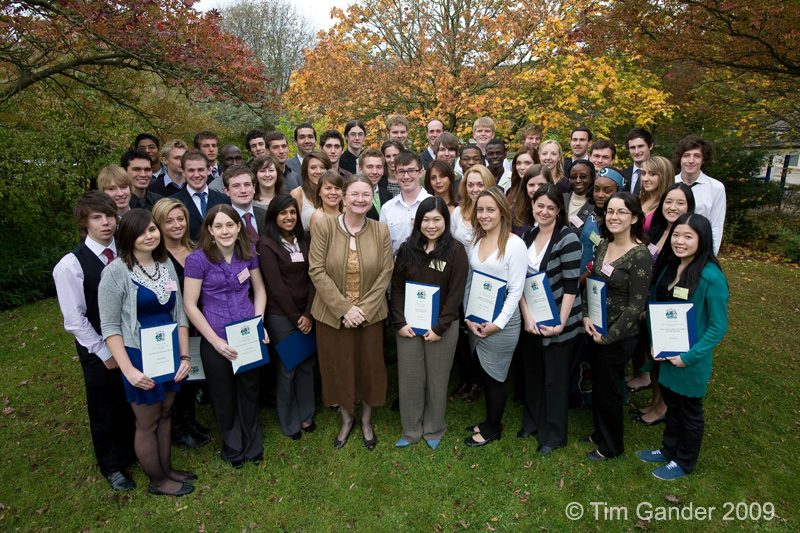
(202, 196)
(248, 223)
(109, 255)
(636, 181)
(376, 201)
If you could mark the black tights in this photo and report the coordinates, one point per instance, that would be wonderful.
(153, 443)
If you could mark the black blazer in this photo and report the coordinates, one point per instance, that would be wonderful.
(583, 213)
(149, 200)
(195, 217)
(426, 157)
(627, 173)
(261, 219)
(383, 196)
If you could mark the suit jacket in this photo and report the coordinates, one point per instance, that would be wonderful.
(426, 157)
(294, 164)
(195, 217)
(261, 219)
(149, 200)
(383, 197)
(567, 166)
(627, 173)
(291, 179)
(583, 213)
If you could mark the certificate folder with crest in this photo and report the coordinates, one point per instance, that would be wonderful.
(596, 302)
(196, 370)
(486, 296)
(540, 301)
(297, 347)
(421, 307)
(160, 351)
(673, 328)
(246, 337)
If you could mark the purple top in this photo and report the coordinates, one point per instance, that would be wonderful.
(223, 299)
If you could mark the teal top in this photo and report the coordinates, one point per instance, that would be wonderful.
(710, 300)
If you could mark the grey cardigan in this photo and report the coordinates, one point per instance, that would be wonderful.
(117, 301)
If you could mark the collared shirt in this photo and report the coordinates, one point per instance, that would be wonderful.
(196, 199)
(634, 176)
(161, 172)
(505, 180)
(400, 218)
(68, 277)
(242, 212)
(711, 202)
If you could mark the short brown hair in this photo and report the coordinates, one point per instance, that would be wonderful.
(92, 202)
(693, 142)
(236, 170)
(396, 120)
(193, 155)
(370, 152)
(530, 129)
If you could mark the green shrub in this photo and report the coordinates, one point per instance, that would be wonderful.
(790, 244)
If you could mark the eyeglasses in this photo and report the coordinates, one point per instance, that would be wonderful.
(407, 172)
(618, 212)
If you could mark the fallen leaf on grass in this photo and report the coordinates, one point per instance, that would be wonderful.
(22, 383)
(674, 500)
(8, 410)
(351, 486)
(464, 523)
(641, 524)
(179, 509)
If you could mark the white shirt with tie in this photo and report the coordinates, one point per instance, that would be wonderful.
(196, 199)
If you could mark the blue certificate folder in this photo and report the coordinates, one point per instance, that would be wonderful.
(158, 333)
(673, 328)
(596, 300)
(534, 284)
(297, 347)
(482, 284)
(264, 350)
(421, 297)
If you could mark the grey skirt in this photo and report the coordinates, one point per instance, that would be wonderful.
(496, 350)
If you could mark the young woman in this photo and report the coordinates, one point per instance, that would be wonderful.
(139, 289)
(551, 155)
(314, 165)
(497, 252)
(446, 148)
(581, 179)
(473, 184)
(350, 264)
(554, 249)
(115, 182)
(690, 273)
(283, 257)
(523, 160)
(269, 180)
(536, 176)
(607, 183)
(390, 149)
(424, 361)
(328, 197)
(172, 219)
(440, 182)
(657, 175)
(623, 262)
(219, 274)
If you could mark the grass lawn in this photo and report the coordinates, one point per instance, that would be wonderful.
(749, 461)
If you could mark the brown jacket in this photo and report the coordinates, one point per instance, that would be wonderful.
(328, 269)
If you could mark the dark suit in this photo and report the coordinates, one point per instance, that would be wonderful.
(295, 164)
(195, 217)
(149, 200)
(383, 197)
(627, 173)
(261, 219)
(291, 179)
(157, 186)
(426, 157)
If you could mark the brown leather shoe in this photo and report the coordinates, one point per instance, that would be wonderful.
(474, 393)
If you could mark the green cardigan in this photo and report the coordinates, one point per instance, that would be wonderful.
(710, 300)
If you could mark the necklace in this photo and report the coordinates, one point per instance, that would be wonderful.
(156, 273)
(348, 229)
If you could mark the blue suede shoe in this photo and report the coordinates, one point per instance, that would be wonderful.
(654, 456)
(434, 443)
(670, 471)
(402, 443)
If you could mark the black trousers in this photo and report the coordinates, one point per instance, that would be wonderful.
(546, 389)
(495, 394)
(234, 400)
(111, 420)
(683, 433)
(608, 372)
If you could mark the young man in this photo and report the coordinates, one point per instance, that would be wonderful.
(77, 277)
(240, 186)
(278, 147)
(399, 212)
(229, 156)
(150, 144)
(138, 166)
(496, 157)
(433, 129)
(371, 163)
(483, 132)
(532, 136)
(305, 138)
(208, 143)
(446, 148)
(692, 155)
(196, 196)
(470, 156)
(639, 143)
(354, 132)
(397, 128)
(256, 143)
(580, 141)
(171, 181)
(332, 143)
(602, 154)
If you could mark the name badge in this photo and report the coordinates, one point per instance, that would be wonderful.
(607, 269)
(680, 292)
(576, 221)
(595, 238)
(171, 285)
(438, 265)
(297, 257)
(243, 276)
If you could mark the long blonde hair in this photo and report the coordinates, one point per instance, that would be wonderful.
(500, 199)
(662, 167)
(467, 205)
(162, 209)
(559, 171)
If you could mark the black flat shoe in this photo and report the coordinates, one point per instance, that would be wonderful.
(470, 441)
(185, 489)
(311, 428)
(471, 429)
(257, 459)
(296, 436)
(369, 443)
(236, 464)
(523, 434)
(545, 450)
(339, 444)
(190, 476)
(121, 481)
(586, 440)
(640, 388)
(659, 420)
(196, 429)
(595, 455)
(635, 412)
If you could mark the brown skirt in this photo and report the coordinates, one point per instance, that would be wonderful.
(351, 365)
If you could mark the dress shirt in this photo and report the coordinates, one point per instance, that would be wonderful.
(252, 215)
(505, 180)
(711, 202)
(196, 199)
(68, 277)
(400, 218)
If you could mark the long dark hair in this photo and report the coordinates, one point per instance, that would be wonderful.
(446, 169)
(278, 204)
(243, 248)
(267, 160)
(412, 252)
(691, 275)
(633, 205)
(659, 224)
(131, 226)
(553, 192)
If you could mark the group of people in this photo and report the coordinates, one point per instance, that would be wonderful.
(333, 243)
